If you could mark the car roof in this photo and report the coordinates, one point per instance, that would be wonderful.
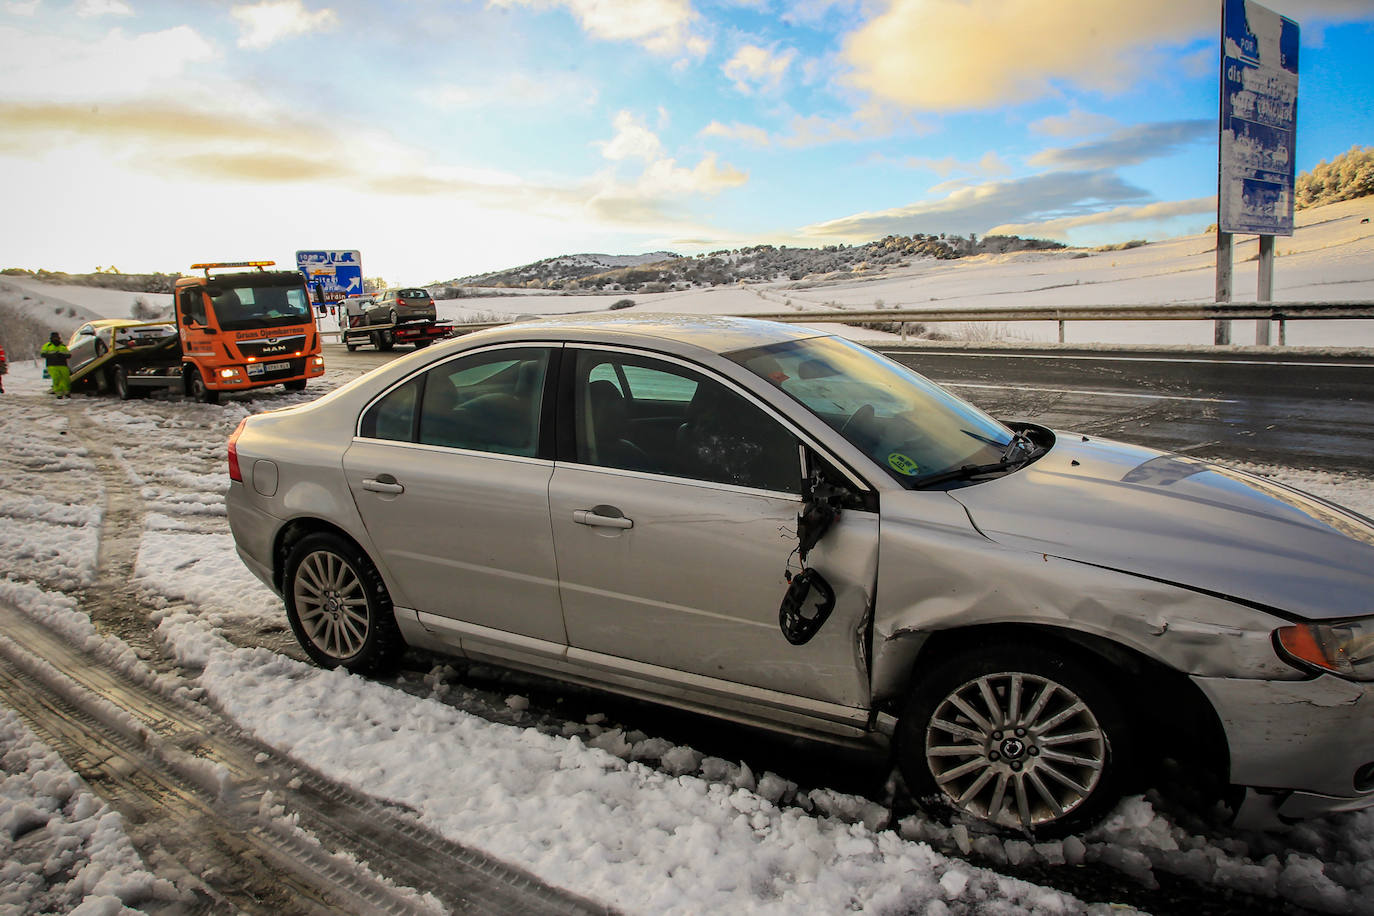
(716, 333)
(124, 322)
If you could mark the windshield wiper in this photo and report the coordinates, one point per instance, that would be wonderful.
(1019, 438)
(965, 472)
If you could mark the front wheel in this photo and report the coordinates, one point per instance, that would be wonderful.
(1016, 737)
(339, 607)
(199, 391)
(295, 384)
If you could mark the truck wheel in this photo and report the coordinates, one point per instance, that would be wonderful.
(295, 385)
(1022, 739)
(197, 389)
(339, 607)
(119, 381)
(350, 345)
(421, 344)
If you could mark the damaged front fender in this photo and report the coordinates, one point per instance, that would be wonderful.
(938, 573)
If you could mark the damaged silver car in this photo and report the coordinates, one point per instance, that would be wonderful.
(779, 527)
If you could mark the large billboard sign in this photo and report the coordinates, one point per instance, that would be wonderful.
(331, 276)
(1259, 110)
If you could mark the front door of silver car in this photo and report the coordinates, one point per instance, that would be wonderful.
(445, 476)
(675, 523)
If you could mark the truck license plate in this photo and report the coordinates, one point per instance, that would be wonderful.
(277, 367)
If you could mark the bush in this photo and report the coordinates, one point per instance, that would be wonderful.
(621, 304)
(1348, 176)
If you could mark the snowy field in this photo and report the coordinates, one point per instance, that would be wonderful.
(612, 812)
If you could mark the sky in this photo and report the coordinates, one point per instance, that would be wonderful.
(443, 139)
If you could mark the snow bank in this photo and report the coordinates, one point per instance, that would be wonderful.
(62, 849)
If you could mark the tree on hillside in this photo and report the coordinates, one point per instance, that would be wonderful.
(1349, 175)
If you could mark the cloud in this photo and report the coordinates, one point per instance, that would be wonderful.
(90, 8)
(1059, 228)
(755, 69)
(632, 140)
(52, 68)
(1075, 123)
(1128, 145)
(649, 196)
(25, 8)
(511, 90)
(868, 123)
(260, 167)
(989, 164)
(945, 55)
(660, 26)
(264, 24)
(975, 207)
(745, 133)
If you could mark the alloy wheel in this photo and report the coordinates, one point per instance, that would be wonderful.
(1015, 749)
(331, 603)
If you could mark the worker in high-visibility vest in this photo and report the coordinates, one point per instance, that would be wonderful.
(4, 367)
(56, 356)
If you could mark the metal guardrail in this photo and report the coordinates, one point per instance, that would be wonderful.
(1281, 312)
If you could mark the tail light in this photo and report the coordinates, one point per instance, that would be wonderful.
(234, 472)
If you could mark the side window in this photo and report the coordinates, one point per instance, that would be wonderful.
(487, 402)
(393, 417)
(642, 414)
(193, 306)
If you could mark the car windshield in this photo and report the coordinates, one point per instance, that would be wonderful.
(903, 421)
(243, 307)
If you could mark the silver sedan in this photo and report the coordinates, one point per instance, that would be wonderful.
(780, 527)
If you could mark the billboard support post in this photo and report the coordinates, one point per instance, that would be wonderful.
(1265, 290)
(1221, 329)
(1257, 145)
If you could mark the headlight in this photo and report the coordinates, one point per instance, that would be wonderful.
(1344, 647)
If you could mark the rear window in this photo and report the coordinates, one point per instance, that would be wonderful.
(413, 293)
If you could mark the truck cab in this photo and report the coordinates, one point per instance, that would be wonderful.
(245, 329)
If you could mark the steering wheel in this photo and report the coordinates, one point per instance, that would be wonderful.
(858, 419)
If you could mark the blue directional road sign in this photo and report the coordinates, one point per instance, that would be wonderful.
(331, 276)
(1259, 118)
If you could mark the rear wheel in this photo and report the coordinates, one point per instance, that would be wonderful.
(1016, 737)
(387, 340)
(119, 381)
(196, 387)
(339, 607)
(395, 319)
(421, 344)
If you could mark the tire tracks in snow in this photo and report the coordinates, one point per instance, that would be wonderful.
(237, 826)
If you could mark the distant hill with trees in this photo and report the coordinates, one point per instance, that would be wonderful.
(1348, 176)
(663, 271)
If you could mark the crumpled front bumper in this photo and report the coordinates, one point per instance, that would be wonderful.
(1302, 748)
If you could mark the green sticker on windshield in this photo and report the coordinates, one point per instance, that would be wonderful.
(902, 464)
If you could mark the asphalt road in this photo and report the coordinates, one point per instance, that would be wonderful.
(1292, 410)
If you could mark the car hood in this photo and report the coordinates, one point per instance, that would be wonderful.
(1183, 521)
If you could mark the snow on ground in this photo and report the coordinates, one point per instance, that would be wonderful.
(50, 497)
(614, 814)
(620, 816)
(71, 305)
(62, 849)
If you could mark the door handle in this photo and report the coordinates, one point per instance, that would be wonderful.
(382, 483)
(602, 517)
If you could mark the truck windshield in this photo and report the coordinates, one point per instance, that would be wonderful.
(243, 307)
(903, 421)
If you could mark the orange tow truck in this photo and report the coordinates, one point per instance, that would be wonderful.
(235, 331)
